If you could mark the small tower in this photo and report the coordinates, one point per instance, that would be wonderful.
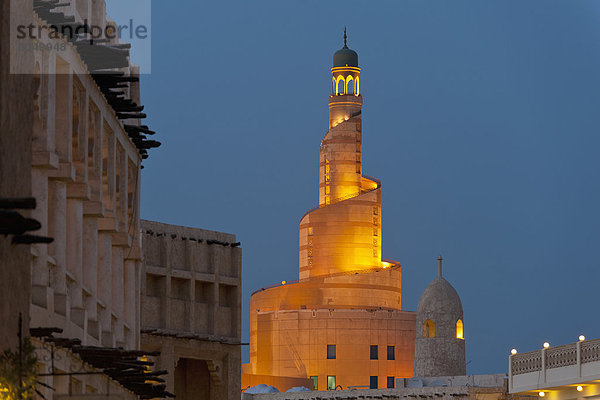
(345, 100)
(440, 342)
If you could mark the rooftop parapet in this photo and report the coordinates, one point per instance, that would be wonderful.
(553, 367)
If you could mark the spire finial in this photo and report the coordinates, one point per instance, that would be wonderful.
(345, 38)
(440, 265)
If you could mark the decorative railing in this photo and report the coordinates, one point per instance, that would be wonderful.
(556, 357)
(526, 362)
(561, 356)
(590, 351)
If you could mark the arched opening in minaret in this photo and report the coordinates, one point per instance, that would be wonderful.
(428, 329)
(459, 329)
(349, 85)
(340, 86)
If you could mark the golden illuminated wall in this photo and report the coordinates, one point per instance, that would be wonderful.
(346, 294)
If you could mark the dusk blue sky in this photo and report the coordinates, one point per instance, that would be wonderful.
(481, 119)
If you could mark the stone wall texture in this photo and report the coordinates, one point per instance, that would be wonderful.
(16, 129)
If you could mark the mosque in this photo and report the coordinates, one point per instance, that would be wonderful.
(341, 324)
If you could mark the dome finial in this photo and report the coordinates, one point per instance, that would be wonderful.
(440, 265)
(345, 38)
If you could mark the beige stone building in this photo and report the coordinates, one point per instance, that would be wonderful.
(15, 172)
(72, 139)
(191, 309)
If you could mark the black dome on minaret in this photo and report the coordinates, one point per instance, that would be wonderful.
(345, 56)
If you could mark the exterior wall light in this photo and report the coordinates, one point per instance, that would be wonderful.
(579, 388)
(541, 394)
(283, 282)
(546, 345)
(513, 351)
(581, 339)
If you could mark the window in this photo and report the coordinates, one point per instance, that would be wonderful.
(459, 329)
(310, 230)
(374, 352)
(390, 382)
(391, 353)
(315, 380)
(331, 351)
(331, 382)
(373, 382)
(428, 328)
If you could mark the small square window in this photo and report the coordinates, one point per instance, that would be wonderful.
(331, 351)
(374, 352)
(391, 353)
(315, 380)
(390, 382)
(373, 382)
(331, 382)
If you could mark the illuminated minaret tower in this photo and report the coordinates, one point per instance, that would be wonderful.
(340, 323)
(344, 234)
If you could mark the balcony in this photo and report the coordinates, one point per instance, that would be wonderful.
(568, 369)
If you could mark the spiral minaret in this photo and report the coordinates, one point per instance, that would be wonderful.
(341, 322)
(344, 233)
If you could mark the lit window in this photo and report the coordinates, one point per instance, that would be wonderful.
(428, 328)
(310, 230)
(374, 352)
(375, 211)
(327, 178)
(331, 351)
(327, 189)
(459, 329)
(331, 382)
(315, 380)
(373, 382)
(391, 353)
(390, 382)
